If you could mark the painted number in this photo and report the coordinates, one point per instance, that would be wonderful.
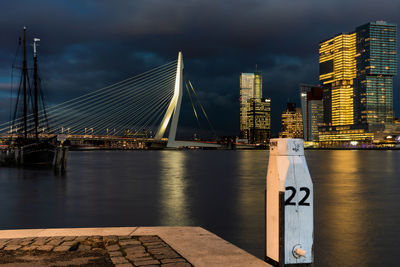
(302, 202)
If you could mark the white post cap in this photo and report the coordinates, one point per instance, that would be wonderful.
(286, 147)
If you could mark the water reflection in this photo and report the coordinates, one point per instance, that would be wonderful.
(174, 198)
(36, 192)
(343, 204)
(250, 201)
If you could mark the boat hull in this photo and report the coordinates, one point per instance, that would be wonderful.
(36, 154)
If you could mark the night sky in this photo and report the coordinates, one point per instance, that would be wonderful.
(86, 45)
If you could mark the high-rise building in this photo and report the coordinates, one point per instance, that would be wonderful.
(248, 83)
(315, 113)
(255, 111)
(356, 71)
(363, 62)
(337, 71)
(259, 120)
(292, 122)
(376, 62)
(312, 110)
(304, 89)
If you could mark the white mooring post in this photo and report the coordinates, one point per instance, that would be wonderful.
(289, 205)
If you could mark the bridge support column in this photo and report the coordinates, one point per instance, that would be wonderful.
(173, 108)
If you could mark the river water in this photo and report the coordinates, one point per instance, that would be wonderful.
(356, 196)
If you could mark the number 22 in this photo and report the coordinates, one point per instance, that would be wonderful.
(288, 202)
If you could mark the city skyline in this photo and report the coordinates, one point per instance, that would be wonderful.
(90, 45)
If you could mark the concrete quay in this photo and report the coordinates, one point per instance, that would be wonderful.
(121, 246)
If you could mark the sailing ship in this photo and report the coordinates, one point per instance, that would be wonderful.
(30, 148)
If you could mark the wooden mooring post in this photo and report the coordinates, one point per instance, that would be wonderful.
(60, 160)
(289, 205)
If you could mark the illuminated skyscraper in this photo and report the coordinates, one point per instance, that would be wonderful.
(255, 111)
(363, 62)
(337, 70)
(376, 59)
(356, 71)
(292, 122)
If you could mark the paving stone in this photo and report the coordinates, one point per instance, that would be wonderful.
(54, 242)
(110, 237)
(45, 248)
(152, 242)
(93, 242)
(26, 242)
(173, 260)
(29, 248)
(150, 265)
(146, 262)
(156, 246)
(16, 241)
(123, 237)
(68, 243)
(112, 248)
(137, 255)
(135, 249)
(119, 260)
(12, 247)
(176, 264)
(62, 248)
(69, 238)
(84, 248)
(166, 256)
(145, 258)
(160, 250)
(97, 249)
(80, 238)
(124, 265)
(3, 242)
(149, 238)
(115, 253)
(42, 242)
(129, 242)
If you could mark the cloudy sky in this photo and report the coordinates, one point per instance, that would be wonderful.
(88, 44)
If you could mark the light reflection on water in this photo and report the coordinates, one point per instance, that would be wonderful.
(357, 197)
(174, 199)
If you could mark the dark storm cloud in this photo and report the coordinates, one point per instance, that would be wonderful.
(90, 44)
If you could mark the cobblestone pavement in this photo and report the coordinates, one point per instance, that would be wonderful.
(121, 251)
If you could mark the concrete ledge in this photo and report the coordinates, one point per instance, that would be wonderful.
(66, 232)
(199, 246)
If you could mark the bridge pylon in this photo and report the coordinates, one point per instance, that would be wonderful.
(174, 107)
(173, 111)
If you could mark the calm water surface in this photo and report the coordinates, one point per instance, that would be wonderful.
(357, 197)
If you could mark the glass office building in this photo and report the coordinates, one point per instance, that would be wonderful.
(255, 111)
(356, 71)
(311, 110)
(292, 122)
(376, 62)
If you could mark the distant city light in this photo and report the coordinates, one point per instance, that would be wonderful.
(353, 143)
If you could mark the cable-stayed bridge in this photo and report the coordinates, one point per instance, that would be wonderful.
(143, 106)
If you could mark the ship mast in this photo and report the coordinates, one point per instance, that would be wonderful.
(35, 86)
(24, 75)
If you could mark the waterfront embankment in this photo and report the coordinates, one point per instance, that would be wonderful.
(121, 246)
